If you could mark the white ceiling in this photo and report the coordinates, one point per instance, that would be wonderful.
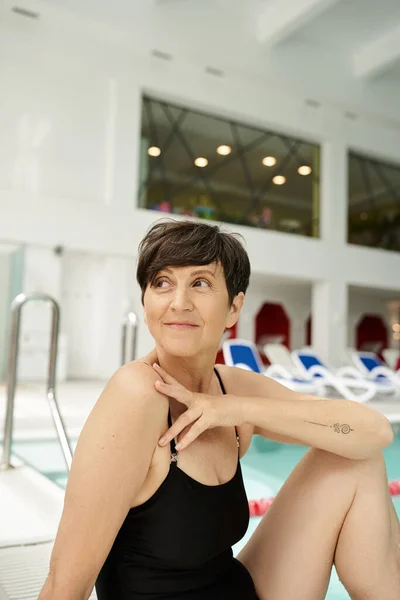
(348, 25)
(343, 25)
(243, 26)
(343, 51)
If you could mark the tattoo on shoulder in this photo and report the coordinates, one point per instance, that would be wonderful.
(337, 427)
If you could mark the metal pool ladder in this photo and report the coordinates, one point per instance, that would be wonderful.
(129, 335)
(16, 308)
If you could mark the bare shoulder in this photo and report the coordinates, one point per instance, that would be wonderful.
(128, 395)
(133, 384)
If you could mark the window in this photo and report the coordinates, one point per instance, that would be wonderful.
(217, 169)
(374, 203)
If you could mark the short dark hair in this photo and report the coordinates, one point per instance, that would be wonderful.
(182, 243)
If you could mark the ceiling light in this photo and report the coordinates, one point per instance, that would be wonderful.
(224, 150)
(201, 162)
(269, 161)
(304, 170)
(279, 180)
(154, 151)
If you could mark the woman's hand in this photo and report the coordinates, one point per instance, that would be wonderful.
(203, 411)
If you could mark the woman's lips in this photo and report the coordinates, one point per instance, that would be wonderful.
(180, 326)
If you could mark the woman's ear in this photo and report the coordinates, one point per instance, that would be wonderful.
(235, 309)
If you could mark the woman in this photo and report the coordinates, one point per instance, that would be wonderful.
(155, 497)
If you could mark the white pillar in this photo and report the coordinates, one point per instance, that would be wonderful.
(334, 192)
(330, 296)
(329, 319)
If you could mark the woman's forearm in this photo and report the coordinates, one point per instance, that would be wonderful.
(50, 592)
(342, 427)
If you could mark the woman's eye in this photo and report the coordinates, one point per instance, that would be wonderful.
(157, 283)
(202, 281)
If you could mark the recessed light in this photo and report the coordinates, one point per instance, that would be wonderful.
(154, 151)
(279, 180)
(269, 161)
(304, 170)
(224, 150)
(201, 162)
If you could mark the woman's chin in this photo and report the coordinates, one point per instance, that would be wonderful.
(181, 348)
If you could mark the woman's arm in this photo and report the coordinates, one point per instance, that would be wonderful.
(109, 467)
(343, 427)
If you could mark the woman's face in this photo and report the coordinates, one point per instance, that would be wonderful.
(187, 309)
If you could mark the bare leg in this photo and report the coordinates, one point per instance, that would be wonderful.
(330, 510)
(367, 556)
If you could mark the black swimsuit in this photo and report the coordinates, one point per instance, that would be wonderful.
(177, 545)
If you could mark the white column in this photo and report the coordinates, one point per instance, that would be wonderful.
(334, 193)
(330, 319)
(330, 296)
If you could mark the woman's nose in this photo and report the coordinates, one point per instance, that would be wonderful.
(181, 300)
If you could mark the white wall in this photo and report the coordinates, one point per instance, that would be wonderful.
(42, 274)
(69, 158)
(97, 291)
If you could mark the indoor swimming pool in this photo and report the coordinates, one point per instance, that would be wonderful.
(265, 468)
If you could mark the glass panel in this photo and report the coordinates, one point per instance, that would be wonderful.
(374, 203)
(213, 168)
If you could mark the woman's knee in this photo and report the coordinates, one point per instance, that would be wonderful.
(323, 464)
(329, 459)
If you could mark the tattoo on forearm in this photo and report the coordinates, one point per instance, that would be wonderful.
(337, 427)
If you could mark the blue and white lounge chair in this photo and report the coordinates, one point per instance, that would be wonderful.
(283, 366)
(244, 354)
(345, 380)
(372, 368)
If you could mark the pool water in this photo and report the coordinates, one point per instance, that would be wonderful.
(265, 468)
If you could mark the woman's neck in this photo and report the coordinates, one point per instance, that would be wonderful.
(196, 374)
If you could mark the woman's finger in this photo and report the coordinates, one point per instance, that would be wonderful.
(183, 421)
(197, 428)
(175, 391)
(166, 376)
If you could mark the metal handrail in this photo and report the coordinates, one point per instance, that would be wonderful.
(130, 320)
(16, 307)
